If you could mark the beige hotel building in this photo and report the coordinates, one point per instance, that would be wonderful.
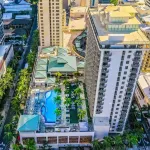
(50, 22)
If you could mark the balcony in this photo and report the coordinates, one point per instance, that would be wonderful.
(135, 66)
(106, 60)
(134, 71)
(102, 90)
(104, 76)
(104, 71)
(107, 54)
(106, 66)
(103, 81)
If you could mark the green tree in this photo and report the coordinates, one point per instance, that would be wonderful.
(17, 147)
(57, 99)
(30, 144)
(81, 114)
(58, 75)
(118, 142)
(78, 91)
(58, 112)
(115, 2)
(66, 82)
(96, 145)
(57, 89)
(8, 136)
(79, 102)
(67, 101)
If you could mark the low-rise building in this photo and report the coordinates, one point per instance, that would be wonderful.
(6, 54)
(50, 61)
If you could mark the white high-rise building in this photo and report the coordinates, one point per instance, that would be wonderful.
(115, 47)
(50, 22)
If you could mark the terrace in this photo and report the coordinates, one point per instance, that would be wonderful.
(58, 109)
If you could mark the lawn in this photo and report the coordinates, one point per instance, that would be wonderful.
(73, 112)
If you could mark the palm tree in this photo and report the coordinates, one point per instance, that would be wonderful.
(67, 102)
(58, 112)
(8, 127)
(77, 91)
(8, 136)
(66, 82)
(58, 75)
(17, 147)
(81, 114)
(96, 145)
(118, 142)
(67, 91)
(132, 140)
(30, 144)
(108, 142)
(78, 102)
(57, 99)
(57, 89)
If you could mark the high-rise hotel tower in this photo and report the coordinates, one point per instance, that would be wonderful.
(50, 22)
(115, 47)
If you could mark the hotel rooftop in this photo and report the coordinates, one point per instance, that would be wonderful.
(117, 25)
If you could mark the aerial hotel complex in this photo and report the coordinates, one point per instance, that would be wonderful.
(115, 47)
(114, 52)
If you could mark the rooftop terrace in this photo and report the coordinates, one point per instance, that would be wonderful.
(117, 25)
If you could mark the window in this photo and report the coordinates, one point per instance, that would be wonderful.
(121, 92)
(126, 67)
(124, 78)
(125, 72)
(123, 82)
(118, 104)
(127, 62)
(120, 96)
(121, 87)
(128, 56)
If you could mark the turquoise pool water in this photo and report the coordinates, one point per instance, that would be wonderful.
(48, 110)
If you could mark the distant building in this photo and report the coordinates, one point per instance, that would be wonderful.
(6, 54)
(66, 3)
(50, 22)
(1, 26)
(142, 92)
(147, 3)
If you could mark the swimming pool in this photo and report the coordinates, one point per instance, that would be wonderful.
(48, 110)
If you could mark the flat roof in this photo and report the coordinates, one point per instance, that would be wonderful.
(130, 36)
(146, 18)
(78, 9)
(28, 123)
(144, 83)
(7, 16)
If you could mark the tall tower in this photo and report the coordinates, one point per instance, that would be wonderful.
(50, 22)
(114, 54)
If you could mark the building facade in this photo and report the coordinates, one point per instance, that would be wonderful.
(50, 22)
(6, 55)
(147, 3)
(1, 26)
(112, 65)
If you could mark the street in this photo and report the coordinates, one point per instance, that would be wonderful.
(22, 62)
